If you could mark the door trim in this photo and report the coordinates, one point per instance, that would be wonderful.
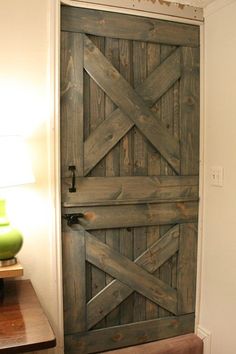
(173, 11)
(54, 153)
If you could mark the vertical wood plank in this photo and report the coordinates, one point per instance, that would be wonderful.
(189, 148)
(86, 103)
(126, 143)
(126, 249)
(167, 117)
(86, 134)
(97, 115)
(72, 103)
(140, 167)
(153, 60)
(189, 109)
(187, 265)
(112, 158)
(74, 280)
(167, 111)
(153, 232)
(126, 169)
(97, 108)
(112, 167)
(176, 132)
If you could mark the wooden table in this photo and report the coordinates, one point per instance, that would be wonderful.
(12, 271)
(23, 324)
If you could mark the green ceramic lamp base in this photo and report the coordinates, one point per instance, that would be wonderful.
(11, 239)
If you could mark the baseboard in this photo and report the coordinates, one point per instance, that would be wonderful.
(205, 335)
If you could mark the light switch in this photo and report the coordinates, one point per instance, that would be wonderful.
(217, 176)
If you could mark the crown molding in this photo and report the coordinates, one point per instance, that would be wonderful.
(150, 8)
(216, 6)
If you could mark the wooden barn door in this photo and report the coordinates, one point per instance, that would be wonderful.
(130, 138)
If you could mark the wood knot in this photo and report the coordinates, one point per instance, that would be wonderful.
(143, 338)
(89, 216)
(109, 136)
(190, 101)
(117, 337)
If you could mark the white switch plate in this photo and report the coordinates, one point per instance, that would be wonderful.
(217, 176)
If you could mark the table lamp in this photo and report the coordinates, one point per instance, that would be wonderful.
(15, 170)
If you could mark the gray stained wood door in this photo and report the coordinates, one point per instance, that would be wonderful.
(130, 126)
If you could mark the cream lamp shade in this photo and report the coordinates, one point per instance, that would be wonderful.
(15, 162)
(15, 170)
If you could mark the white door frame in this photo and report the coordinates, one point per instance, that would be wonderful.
(54, 144)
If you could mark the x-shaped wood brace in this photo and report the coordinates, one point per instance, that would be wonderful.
(133, 107)
(130, 276)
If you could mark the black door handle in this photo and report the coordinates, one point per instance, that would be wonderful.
(72, 189)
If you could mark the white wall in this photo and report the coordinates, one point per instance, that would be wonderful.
(218, 292)
(25, 109)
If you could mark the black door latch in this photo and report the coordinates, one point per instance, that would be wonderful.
(73, 218)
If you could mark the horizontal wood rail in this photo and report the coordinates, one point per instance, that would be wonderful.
(185, 344)
(129, 190)
(102, 217)
(133, 27)
(125, 335)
